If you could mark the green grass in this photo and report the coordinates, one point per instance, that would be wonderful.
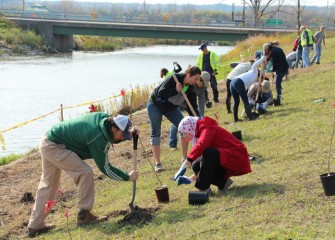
(10, 158)
(10, 34)
(281, 199)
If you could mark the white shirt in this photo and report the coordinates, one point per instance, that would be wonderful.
(239, 69)
(291, 56)
(251, 76)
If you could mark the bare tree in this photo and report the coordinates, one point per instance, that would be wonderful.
(298, 15)
(261, 8)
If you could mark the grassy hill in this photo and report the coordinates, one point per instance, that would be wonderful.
(281, 199)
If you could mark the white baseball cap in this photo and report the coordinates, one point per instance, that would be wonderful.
(124, 124)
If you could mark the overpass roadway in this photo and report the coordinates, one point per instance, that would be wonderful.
(58, 33)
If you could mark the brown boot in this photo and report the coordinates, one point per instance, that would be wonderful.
(85, 217)
(34, 232)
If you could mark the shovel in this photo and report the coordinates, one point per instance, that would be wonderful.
(131, 203)
(185, 97)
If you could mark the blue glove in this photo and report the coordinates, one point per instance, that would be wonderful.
(260, 107)
(183, 180)
(181, 171)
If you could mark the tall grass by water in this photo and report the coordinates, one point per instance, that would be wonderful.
(10, 158)
(12, 35)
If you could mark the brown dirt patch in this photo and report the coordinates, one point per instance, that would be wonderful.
(140, 216)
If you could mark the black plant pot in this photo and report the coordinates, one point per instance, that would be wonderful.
(197, 198)
(328, 183)
(162, 194)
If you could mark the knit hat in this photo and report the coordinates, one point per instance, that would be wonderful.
(265, 86)
(124, 124)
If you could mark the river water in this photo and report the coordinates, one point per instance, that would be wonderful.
(33, 86)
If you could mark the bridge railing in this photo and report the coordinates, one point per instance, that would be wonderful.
(127, 19)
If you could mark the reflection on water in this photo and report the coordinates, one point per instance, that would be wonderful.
(34, 86)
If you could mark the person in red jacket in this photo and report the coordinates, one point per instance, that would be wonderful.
(215, 156)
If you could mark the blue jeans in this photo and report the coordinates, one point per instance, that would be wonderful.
(317, 54)
(305, 56)
(173, 136)
(237, 89)
(279, 78)
(201, 95)
(297, 58)
(156, 116)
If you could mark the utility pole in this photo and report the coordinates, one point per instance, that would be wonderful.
(232, 12)
(277, 16)
(299, 17)
(327, 13)
(22, 7)
(243, 13)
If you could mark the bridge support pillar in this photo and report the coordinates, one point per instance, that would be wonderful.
(59, 42)
(63, 43)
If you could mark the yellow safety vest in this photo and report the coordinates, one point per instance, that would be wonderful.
(213, 58)
(304, 40)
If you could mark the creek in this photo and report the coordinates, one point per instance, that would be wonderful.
(34, 86)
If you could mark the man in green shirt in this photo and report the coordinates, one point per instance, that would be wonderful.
(65, 147)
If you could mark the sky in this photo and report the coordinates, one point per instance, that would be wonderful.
(199, 2)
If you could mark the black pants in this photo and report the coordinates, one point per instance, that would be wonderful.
(209, 170)
(214, 86)
(228, 90)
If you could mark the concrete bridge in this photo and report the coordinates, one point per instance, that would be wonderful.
(59, 33)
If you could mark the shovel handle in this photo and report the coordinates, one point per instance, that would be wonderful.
(135, 141)
(185, 97)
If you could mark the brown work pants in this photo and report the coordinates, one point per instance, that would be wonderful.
(55, 158)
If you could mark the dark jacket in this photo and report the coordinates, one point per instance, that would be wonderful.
(166, 97)
(280, 65)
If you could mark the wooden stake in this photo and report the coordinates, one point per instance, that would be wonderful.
(61, 113)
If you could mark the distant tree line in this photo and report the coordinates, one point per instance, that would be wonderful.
(255, 12)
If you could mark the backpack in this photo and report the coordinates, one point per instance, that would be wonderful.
(295, 44)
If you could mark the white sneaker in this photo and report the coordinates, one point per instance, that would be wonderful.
(159, 167)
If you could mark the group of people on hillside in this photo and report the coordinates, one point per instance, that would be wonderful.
(302, 46)
(67, 144)
(215, 155)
